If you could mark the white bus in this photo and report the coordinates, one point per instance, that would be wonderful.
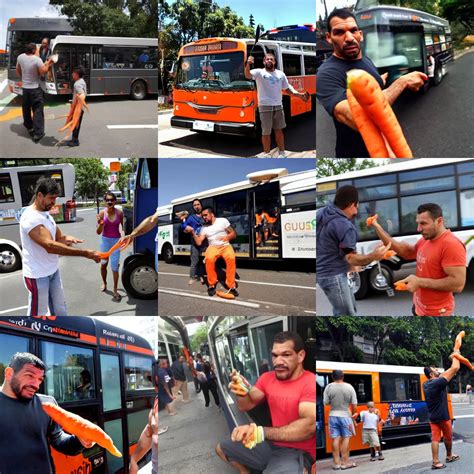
(394, 192)
(288, 200)
(17, 186)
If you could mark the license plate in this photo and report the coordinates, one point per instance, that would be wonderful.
(205, 126)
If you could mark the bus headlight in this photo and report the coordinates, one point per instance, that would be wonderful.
(242, 113)
(176, 107)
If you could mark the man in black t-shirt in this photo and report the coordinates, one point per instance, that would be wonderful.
(346, 38)
(27, 431)
(436, 397)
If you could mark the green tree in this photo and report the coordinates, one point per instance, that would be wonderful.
(460, 11)
(199, 337)
(335, 166)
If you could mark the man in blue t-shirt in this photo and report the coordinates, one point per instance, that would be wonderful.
(436, 397)
(346, 38)
(336, 241)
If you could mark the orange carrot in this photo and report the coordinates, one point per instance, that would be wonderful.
(401, 286)
(107, 254)
(224, 294)
(76, 425)
(389, 254)
(371, 135)
(458, 342)
(73, 117)
(371, 220)
(463, 360)
(371, 98)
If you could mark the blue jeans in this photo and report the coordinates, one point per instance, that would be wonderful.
(339, 294)
(46, 292)
(106, 243)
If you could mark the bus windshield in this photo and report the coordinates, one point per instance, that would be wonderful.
(213, 72)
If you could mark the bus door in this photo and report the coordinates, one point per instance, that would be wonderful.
(81, 56)
(322, 380)
(265, 218)
(113, 409)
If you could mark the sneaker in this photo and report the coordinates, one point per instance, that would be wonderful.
(267, 155)
(372, 458)
(37, 138)
(72, 143)
(31, 132)
(281, 154)
(211, 291)
(192, 280)
(233, 291)
(162, 430)
(381, 458)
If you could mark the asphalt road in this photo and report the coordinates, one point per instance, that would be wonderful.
(379, 304)
(413, 455)
(81, 281)
(437, 124)
(98, 135)
(183, 143)
(269, 290)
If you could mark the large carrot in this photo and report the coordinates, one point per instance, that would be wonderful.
(76, 425)
(458, 342)
(463, 360)
(73, 117)
(401, 286)
(370, 96)
(371, 135)
(104, 255)
(371, 220)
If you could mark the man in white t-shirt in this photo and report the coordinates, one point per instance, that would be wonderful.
(42, 243)
(270, 82)
(218, 232)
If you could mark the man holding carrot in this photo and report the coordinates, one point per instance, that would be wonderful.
(440, 262)
(346, 38)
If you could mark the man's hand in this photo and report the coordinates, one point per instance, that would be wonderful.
(379, 252)
(92, 255)
(384, 78)
(412, 283)
(70, 240)
(241, 433)
(133, 467)
(87, 443)
(239, 385)
(415, 80)
(188, 229)
(250, 60)
(126, 240)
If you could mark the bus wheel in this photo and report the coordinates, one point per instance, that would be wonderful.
(167, 253)
(139, 279)
(10, 260)
(361, 286)
(438, 75)
(138, 91)
(374, 282)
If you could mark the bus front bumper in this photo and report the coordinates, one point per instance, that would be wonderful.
(229, 128)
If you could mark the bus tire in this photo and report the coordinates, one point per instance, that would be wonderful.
(167, 253)
(139, 278)
(10, 259)
(438, 75)
(362, 286)
(138, 90)
(387, 273)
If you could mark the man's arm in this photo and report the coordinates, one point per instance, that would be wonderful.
(145, 226)
(42, 70)
(18, 70)
(62, 442)
(198, 238)
(66, 239)
(231, 234)
(299, 430)
(454, 282)
(452, 371)
(42, 237)
(248, 64)
(403, 249)
(143, 446)
(356, 259)
(253, 398)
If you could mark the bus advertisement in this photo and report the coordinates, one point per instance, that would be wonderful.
(287, 199)
(96, 370)
(211, 93)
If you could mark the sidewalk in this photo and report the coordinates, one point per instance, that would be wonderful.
(411, 459)
(188, 445)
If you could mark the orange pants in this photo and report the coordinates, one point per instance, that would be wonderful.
(227, 253)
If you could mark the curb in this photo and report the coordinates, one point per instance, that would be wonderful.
(465, 51)
(165, 111)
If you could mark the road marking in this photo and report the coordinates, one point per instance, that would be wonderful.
(13, 309)
(121, 127)
(457, 417)
(250, 281)
(12, 275)
(269, 303)
(210, 298)
(6, 101)
(88, 209)
(3, 85)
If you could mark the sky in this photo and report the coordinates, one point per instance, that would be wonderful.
(180, 177)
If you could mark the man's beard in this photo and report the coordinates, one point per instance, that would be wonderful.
(17, 389)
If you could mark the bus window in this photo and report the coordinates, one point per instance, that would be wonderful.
(322, 381)
(6, 189)
(262, 337)
(136, 422)
(466, 199)
(70, 372)
(292, 64)
(310, 65)
(233, 206)
(149, 174)
(301, 197)
(114, 429)
(224, 359)
(10, 345)
(29, 179)
(399, 387)
(243, 359)
(110, 376)
(362, 385)
(138, 372)
(387, 209)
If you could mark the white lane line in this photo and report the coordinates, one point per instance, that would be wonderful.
(88, 209)
(3, 84)
(121, 127)
(12, 309)
(210, 298)
(457, 417)
(6, 101)
(250, 281)
(11, 275)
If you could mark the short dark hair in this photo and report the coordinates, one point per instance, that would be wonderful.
(284, 336)
(30, 48)
(427, 370)
(47, 186)
(198, 200)
(110, 194)
(20, 359)
(343, 13)
(79, 70)
(345, 196)
(433, 209)
(337, 374)
(209, 209)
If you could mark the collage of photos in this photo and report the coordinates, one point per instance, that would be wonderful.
(236, 236)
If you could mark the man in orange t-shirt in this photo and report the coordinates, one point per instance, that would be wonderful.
(440, 263)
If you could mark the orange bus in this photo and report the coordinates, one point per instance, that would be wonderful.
(396, 391)
(211, 93)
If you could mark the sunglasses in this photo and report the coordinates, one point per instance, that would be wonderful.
(110, 200)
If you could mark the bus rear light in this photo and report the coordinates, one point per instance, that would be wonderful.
(241, 113)
(177, 107)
